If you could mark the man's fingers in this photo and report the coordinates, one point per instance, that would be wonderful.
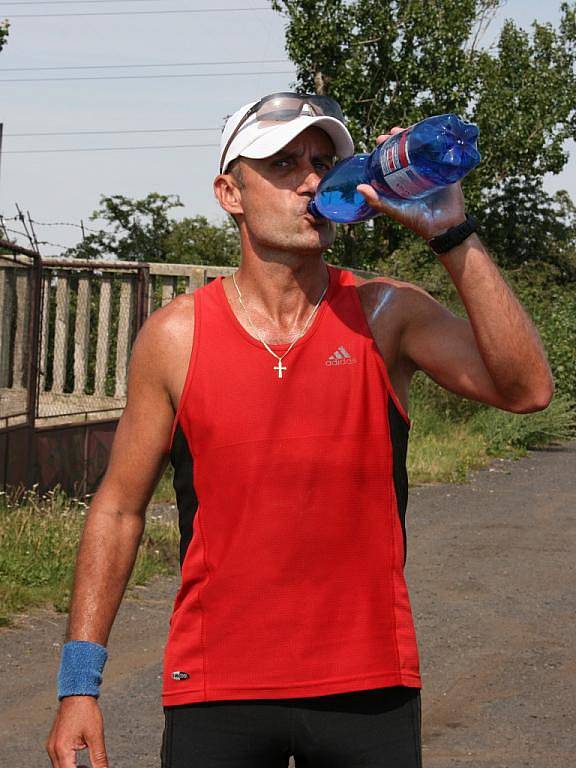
(380, 204)
(369, 194)
(97, 751)
(78, 725)
(384, 136)
(63, 756)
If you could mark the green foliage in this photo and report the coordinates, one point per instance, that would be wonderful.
(394, 63)
(440, 450)
(525, 99)
(137, 229)
(142, 230)
(164, 491)
(502, 430)
(4, 26)
(196, 241)
(521, 222)
(451, 436)
(39, 538)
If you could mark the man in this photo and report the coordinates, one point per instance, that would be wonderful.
(281, 394)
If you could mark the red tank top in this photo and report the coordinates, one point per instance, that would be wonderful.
(292, 494)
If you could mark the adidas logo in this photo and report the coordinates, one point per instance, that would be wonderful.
(341, 357)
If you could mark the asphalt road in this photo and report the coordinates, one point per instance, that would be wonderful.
(492, 574)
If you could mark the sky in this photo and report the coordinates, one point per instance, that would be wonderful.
(138, 49)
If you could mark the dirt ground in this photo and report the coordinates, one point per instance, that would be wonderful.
(492, 573)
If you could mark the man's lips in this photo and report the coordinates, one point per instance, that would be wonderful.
(312, 219)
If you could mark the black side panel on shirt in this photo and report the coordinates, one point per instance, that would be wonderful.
(399, 436)
(183, 483)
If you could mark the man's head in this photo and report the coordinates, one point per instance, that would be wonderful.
(273, 152)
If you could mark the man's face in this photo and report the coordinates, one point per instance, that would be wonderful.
(277, 190)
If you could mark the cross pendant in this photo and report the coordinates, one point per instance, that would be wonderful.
(280, 368)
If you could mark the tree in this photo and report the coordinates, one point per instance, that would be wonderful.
(142, 230)
(4, 25)
(527, 224)
(394, 63)
(196, 241)
(139, 229)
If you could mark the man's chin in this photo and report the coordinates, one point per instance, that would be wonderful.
(316, 239)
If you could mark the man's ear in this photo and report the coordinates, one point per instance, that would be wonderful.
(227, 193)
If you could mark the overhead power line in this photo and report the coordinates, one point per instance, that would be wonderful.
(105, 149)
(138, 77)
(136, 13)
(72, 2)
(145, 66)
(93, 133)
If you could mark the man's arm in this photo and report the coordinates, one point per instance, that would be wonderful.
(113, 529)
(496, 355)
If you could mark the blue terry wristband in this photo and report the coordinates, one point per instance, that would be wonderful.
(81, 666)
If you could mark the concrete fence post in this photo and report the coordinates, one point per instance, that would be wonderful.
(81, 334)
(124, 333)
(6, 318)
(21, 335)
(61, 332)
(43, 359)
(103, 336)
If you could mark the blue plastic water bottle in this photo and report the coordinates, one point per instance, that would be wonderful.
(411, 164)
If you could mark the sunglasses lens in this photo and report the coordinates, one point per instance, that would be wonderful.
(280, 108)
(278, 114)
(289, 106)
(331, 108)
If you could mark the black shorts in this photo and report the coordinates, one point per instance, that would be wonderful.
(376, 728)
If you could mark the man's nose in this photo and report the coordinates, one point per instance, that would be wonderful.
(311, 179)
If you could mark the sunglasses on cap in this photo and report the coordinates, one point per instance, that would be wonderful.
(282, 107)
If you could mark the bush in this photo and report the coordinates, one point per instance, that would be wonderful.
(502, 430)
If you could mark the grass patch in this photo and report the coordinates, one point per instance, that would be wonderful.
(444, 455)
(39, 537)
(445, 445)
(164, 491)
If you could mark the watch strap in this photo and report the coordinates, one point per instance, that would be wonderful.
(453, 236)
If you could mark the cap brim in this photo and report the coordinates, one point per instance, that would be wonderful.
(272, 138)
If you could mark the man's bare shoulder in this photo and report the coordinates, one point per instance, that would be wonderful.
(165, 340)
(170, 321)
(386, 295)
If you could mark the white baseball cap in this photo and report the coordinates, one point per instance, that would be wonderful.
(262, 138)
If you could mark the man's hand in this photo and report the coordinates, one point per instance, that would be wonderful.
(78, 725)
(426, 217)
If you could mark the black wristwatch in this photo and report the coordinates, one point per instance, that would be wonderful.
(453, 236)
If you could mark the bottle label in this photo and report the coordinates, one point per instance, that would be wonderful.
(394, 154)
(399, 175)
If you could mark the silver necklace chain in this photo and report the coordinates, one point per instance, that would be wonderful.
(280, 368)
